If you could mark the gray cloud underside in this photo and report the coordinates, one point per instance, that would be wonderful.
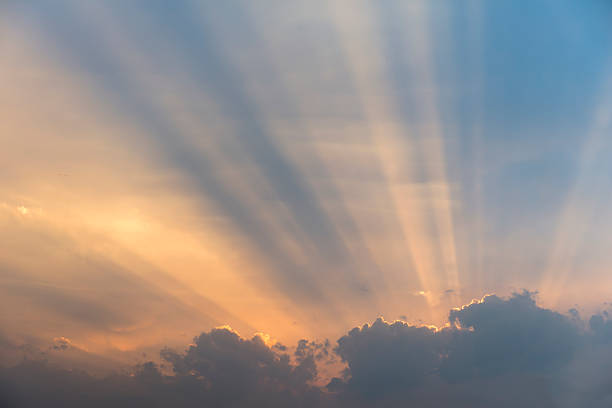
(498, 352)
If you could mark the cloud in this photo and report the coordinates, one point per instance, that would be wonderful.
(61, 343)
(385, 356)
(220, 369)
(236, 370)
(512, 335)
(503, 352)
(493, 352)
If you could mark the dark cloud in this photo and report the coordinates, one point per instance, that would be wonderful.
(385, 356)
(503, 352)
(220, 369)
(237, 371)
(496, 352)
(511, 335)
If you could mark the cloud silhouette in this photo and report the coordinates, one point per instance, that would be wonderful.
(504, 336)
(220, 369)
(503, 352)
(386, 356)
(495, 352)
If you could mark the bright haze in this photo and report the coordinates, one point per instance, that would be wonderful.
(273, 203)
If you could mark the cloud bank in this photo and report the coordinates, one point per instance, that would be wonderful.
(503, 352)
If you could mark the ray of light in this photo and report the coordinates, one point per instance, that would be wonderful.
(577, 214)
(433, 149)
(354, 259)
(123, 226)
(358, 33)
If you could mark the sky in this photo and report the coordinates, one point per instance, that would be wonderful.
(317, 194)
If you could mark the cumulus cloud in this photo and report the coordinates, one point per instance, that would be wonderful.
(494, 352)
(238, 372)
(386, 356)
(502, 352)
(220, 369)
(504, 336)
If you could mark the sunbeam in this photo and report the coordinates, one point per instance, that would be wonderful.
(577, 216)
